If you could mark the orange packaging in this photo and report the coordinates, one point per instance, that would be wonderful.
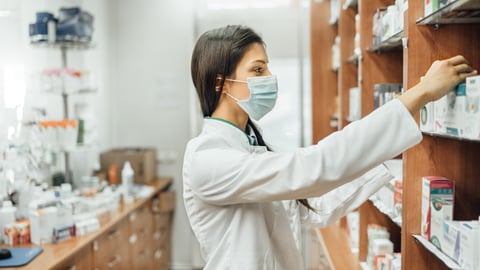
(113, 174)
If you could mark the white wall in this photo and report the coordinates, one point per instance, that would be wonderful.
(150, 46)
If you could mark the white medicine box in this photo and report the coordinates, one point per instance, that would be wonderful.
(427, 117)
(472, 114)
(455, 111)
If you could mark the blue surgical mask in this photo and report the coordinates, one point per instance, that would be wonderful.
(263, 95)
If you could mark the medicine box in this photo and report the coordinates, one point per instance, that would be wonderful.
(433, 5)
(143, 161)
(437, 204)
(459, 241)
(469, 246)
(455, 116)
(440, 115)
(427, 117)
(472, 114)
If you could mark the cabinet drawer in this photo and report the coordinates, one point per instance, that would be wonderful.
(141, 253)
(161, 258)
(82, 259)
(110, 250)
(140, 220)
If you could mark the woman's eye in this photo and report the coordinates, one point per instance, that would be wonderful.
(257, 69)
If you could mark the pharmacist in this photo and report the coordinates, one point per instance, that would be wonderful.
(244, 201)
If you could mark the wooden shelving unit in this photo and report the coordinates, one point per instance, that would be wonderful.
(425, 39)
(324, 78)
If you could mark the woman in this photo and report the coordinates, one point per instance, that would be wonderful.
(236, 189)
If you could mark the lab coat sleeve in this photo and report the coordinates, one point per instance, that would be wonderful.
(337, 203)
(222, 175)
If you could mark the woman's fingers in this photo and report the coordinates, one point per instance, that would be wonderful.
(464, 75)
(457, 60)
(463, 68)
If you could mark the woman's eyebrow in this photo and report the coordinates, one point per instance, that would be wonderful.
(258, 61)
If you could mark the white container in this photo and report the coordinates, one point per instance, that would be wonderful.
(127, 182)
(7, 215)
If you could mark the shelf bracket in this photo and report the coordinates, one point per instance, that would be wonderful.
(405, 42)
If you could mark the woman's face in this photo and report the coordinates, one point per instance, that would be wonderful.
(253, 63)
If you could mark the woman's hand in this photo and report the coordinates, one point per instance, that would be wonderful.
(444, 75)
(441, 78)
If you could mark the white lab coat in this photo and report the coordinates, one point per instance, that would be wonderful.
(234, 191)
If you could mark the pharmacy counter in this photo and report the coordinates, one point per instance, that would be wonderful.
(137, 236)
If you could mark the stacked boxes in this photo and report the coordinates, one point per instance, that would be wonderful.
(457, 113)
(143, 161)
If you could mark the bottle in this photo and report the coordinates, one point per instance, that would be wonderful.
(127, 182)
(112, 174)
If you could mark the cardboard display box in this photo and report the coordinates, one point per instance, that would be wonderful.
(143, 161)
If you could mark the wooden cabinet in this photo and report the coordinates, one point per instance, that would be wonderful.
(402, 63)
(82, 259)
(138, 236)
(111, 250)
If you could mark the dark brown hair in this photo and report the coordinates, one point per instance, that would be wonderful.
(217, 52)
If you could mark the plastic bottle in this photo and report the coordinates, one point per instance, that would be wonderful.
(127, 182)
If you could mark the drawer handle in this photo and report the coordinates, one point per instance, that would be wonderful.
(133, 238)
(115, 261)
(158, 254)
(113, 235)
(157, 235)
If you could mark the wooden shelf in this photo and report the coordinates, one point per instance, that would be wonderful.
(448, 136)
(337, 245)
(437, 154)
(392, 43)
(459, 11)
(435, 251)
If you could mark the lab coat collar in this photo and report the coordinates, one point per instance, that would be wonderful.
(227, 129)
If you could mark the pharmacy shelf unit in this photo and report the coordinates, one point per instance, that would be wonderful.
(64, 47)
(425, 39)
(324, 78)
(455, 159)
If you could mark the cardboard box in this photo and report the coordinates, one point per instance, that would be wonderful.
(437, 204)
(143, 161)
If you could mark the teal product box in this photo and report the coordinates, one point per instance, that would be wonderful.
(437, 204)
(472, 108)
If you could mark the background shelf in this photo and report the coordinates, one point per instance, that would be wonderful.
(392, 43)
(64, 44)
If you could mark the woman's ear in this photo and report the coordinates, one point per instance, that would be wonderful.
(218, 82)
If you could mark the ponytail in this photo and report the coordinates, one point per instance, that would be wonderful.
(261, 142)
